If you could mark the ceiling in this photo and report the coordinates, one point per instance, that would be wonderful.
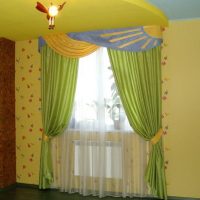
(19, 20)
(179, 9)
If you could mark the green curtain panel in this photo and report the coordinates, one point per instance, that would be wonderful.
(58, 84)
(138, 79)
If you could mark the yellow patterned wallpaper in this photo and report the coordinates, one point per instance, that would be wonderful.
(28, 116)
(181, 110)
(165, 99)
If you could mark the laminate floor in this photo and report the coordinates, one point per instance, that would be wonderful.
(20, 193)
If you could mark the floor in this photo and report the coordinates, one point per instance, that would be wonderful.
(23, 193)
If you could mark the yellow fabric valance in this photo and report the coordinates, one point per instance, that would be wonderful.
(68, 47)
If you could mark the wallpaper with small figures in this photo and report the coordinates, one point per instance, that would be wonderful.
(165, 94)
(28, 111)
(28, 115)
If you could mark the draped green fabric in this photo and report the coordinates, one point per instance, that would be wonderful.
(58, 84)
(138, 79)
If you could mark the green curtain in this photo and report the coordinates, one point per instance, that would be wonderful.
(138, 79)
(58, 84)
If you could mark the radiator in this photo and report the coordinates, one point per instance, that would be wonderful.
(97, 159)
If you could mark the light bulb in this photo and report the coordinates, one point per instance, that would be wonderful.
(53, 11)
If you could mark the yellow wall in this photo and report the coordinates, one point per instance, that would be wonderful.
(28, 116)
(182, 71)
(181, 108)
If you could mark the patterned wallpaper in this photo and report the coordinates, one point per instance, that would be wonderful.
(165, 94)
(28, 115)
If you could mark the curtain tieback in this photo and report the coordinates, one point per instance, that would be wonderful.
(155, 139)
(46, 137)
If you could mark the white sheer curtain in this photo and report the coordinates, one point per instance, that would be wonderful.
(99, 154)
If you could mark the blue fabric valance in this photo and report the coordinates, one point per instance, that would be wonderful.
(126, 39)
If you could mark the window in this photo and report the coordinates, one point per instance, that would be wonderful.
(98, 153)
(97, 102)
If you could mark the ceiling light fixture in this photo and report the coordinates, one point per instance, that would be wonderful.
(51, 12)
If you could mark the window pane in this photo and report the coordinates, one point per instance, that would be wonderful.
(97, 103)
